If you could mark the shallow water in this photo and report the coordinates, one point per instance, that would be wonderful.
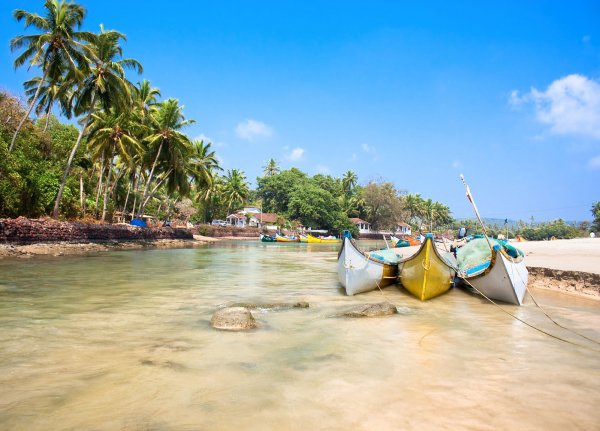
(122, 340)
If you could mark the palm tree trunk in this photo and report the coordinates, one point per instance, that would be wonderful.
(70, 161)
(48, 112)
(143, 201)
(100, 178)
(81, 193)
(158, 184)
(106, 189)
(20, 126)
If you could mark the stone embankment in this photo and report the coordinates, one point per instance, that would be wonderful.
(582, 283)
(28, 231)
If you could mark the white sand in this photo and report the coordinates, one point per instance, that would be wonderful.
(580, 254)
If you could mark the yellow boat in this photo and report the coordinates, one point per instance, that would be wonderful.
(303, 238)
(427, 273)
(328, 240)
(280, 238)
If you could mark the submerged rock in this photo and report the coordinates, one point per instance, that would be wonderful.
(371, 310)
(273, 305)
(233, 319)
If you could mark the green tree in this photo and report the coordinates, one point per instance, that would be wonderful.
(275, 190)
(271, 168)
(105, 85)
(55, 90)
(235, 189)
(315, 207)
(384, 206)
(349, 181)
(596, 214)
(56, 49)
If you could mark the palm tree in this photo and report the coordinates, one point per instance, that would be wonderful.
(203, 164)
(414, 204)
(111, 134)
(145, 98)
(168, 146)
(349, 181)
(235, 189)
(105, 85)
(271, 168)
(56, 50)
(53, 90)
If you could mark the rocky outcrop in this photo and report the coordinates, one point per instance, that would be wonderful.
(584, 283)
(371, 310)
(272, 306)
(26, 231)
(233, 319)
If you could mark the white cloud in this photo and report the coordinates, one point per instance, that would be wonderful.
(594, 163)
(322, 169)
(353, 157)
(296, 154)
(207, 139)
(456, 164)
(250, 130)
(570, 105)
(366, 148)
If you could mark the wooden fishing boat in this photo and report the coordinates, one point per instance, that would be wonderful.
(267, 238)
(361, 272)
(399, 242)
(499, 273)
(321, 240)
(427, 273)
(280, 238)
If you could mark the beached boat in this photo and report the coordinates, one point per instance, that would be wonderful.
(323, 240)
(399, 242)
(429, 272)
(280, 238)
(267, 238)
(498, 273)
(303, 238)
(361, 272)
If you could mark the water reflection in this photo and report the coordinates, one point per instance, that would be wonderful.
(122, 340)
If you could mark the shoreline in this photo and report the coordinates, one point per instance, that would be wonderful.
(550, 273)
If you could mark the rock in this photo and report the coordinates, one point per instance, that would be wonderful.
(272, 306)
(233, 319)
(371, 310)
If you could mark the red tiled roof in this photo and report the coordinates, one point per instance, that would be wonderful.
(267, 217)
(356, 220)
(237, 216)
(403, 224)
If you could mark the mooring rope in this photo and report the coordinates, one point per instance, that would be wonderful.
(526, 323)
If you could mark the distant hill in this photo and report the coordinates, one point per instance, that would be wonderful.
(514, 223)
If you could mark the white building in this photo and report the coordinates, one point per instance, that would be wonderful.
(363, 226)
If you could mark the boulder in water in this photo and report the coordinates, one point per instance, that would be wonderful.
(233, 319)
(371, 310)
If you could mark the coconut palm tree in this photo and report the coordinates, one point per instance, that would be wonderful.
(203, 164)
(105, 86)
(56, 50)
(168, 147)
(111, 135)
(349, 181)
(54, 90)
(414, 205)
(271, 168)
(235, 189)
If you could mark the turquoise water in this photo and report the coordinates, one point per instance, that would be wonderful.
(121, 340)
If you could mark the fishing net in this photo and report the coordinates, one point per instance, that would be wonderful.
(475, 256)
(386, 255)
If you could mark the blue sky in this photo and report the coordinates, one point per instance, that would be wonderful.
(507, 93)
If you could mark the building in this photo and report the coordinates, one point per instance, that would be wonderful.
(238, 220)
(252, 219)
(403, 229)
(363, 226)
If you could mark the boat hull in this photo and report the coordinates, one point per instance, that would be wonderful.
(315, 240)
(426, 274)
(358, 272)
(504, 280)
(280, 238)
(267, 238)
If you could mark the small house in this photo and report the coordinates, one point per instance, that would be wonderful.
(403, 229)
(363, 226)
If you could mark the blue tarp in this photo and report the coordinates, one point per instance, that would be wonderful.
(138, 222)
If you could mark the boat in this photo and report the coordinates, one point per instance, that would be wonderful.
(429, 272)
(323, 240)
(498, 273)
(399, 242)
(280, 238)
(359, 271)
(303, 238)
(267, 238)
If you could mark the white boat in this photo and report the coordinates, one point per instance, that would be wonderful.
(501, 277)
(361, 272)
